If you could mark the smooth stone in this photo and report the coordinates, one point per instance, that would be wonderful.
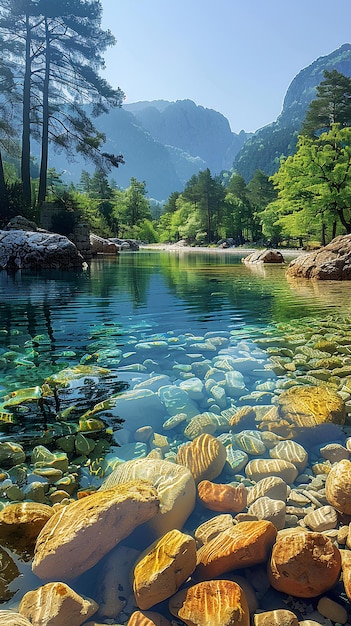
(175, 488)
(11, 454)
(56, 603)
(205, 457)
(153, 383)
(346, 571)
(332, 610)
(234, 384)
(263, 468)
(176, 400)
(163, 567)
(244, 545)
(334, 452)
(338, 487)
(241, 416)
(114, 589)
(199, 425)
(42, 457)
(20, 524)
(36, 491)
(218, 394)
(292, 452)
(250, 441)
(123, 453)
(174, 421)
(279, 617)
(236, 459)
(83, 444)
(304, 565)
(307, 406)
(271, 487)
(274, 511)
(51, 474)
(159, 442)
(78, 536)
(212, 527)
(143, 434)
(322, 519)
(147, 618)
(222, 497)
(194, 388)
(11, 618)
(139, 407)
(211, 603)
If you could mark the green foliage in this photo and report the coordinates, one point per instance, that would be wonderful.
(331, 106)
(314, 185)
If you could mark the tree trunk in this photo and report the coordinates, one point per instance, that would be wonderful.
(323, 234)
(45, 123)
(4, 200)
(25, 156)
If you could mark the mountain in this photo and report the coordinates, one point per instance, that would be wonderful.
(163, 143)
(266, 147)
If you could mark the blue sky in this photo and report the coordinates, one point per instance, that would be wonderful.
(235, 56)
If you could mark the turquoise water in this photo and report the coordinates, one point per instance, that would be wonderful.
(136, 315)
(51, 321)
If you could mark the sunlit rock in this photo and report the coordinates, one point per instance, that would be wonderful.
(221, 497)
(205, 457)
(55, 604)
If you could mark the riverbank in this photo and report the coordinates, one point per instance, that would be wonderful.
(240, 250)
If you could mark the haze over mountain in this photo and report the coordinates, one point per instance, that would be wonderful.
(165, 143)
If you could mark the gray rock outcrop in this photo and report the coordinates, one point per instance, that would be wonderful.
(333, 262)
(21, 249)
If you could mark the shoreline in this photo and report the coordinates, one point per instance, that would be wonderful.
(175, 247)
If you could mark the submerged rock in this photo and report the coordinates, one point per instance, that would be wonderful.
(55, 604)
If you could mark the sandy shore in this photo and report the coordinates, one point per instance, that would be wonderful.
(238, 251)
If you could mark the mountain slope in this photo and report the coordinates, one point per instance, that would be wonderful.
(265, 149)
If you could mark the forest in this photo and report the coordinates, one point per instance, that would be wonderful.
(51, 93)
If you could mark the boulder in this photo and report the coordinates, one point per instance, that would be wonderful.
(243, 545)
(99, 245)
(211, 603)
(205, 457)
(55, 604)
(264, 256)
(304, 564)
(10, 618)
(175, 489)
(332, 262)
(338, 487)
(21, 223)
(79, 535)
(20, 249)
(163, 568)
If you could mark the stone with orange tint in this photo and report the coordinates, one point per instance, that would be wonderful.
(222, 498)
(244, 545)
(205, 457)
(211, 603)
(147, 618)
(55, 604)
(304, 564)
(338, 486)
(212, 527)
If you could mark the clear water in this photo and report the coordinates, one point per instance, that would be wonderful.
(50, 321)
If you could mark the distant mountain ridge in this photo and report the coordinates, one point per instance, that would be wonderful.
(266, 147)
(163, 143)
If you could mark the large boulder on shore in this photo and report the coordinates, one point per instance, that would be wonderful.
(333, 262)
(264, 256)
(21, 249)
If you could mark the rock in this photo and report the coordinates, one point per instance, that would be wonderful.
(250, 441)
(236, 459)
(211, 603)
(332, 610)
(264, 256)
(272, 510)
(332, 262)
(11, 454)
(222, 498)
(292, 452)
(78, 536)
(147, 618)
(114, 588)
(20, 524)
(42, 457)
(257, 469)
(21, 223)
(200, 424)
(55, 604)
(334, 452)
(271, 487)
(338, 487)
(346, 571)
(304, 564)
(163, 567)
(99, 245)
(280, 617)
(139, 407)
(244, 545)
(175, 489)
(210, 529)
(205, 457)
(322, 519)
(21, 249)
(10, 618)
